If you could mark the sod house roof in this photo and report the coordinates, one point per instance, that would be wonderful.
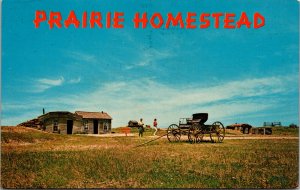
(59, 114)
(93, 115)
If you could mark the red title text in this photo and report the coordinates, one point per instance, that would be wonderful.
(116, 20)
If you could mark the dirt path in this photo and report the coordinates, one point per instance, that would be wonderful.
(249, 137)
(109, 135)
(261, 137)
(231, 137)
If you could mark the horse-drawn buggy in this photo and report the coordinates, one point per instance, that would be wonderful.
(196, 130)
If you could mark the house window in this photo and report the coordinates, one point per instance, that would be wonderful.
(55, 126)
(86, 125)
(105, 128)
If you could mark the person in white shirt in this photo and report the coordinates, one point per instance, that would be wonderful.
(141, 127)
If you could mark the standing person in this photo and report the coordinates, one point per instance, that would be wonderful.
(141, 127)
(155, 126)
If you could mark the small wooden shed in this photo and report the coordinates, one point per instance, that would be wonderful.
(95, 122)
(243, 127)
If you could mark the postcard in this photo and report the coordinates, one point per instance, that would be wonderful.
(149, 94)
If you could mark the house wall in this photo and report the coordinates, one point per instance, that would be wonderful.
(62, 125)
(89, 125)
(61, 119)
(262, 131)
(102, 127)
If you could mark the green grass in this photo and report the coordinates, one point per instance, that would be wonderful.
(91, 162)
(285, 131)
(7, 137)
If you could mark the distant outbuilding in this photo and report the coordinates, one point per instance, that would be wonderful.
(133, 123)
(243, 127)
(292, 125)
(272, 124)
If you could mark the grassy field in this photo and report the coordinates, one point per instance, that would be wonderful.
(34, 159)
(285, 131)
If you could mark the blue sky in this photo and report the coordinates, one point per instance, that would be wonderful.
(236, 75)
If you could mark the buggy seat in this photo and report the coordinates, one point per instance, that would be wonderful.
(200, 118)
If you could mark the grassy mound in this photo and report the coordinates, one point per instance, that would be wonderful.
(25, 135)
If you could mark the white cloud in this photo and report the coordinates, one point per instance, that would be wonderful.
(51, 82)
(149, 99)
(74, 81)
(45, 83)
(18, 118)
(148, 57)
(80, 56)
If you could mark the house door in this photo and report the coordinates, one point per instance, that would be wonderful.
(69, 126)
(95, 126)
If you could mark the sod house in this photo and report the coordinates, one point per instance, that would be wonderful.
(65, 122)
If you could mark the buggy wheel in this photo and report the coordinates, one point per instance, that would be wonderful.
(173, 133)
(195, 134)
(217, 132)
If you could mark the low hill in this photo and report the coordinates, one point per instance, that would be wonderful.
(25, 135)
